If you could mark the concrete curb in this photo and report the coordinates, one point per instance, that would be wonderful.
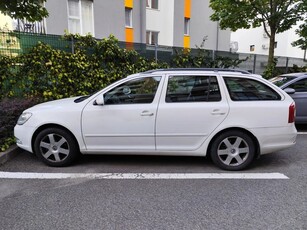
(9, 154)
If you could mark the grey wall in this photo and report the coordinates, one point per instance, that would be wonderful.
(139, 21)
(57, 21)
(109, 18)
(179, 22)
(202, 26)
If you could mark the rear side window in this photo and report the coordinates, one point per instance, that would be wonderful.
(192, 89)
(241, 89)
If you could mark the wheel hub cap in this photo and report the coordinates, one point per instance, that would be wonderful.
(233, 151)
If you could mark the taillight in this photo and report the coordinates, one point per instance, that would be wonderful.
(291, 118)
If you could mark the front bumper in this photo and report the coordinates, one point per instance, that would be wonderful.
(23, 135)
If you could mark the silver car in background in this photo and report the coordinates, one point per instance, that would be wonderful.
(295, 84)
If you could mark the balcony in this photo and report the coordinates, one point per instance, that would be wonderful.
(30, 27)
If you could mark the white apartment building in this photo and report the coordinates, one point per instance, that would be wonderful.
(256, 41)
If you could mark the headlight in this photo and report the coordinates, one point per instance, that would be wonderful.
(23, 118)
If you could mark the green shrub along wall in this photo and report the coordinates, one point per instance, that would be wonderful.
(45, 73)
(48, 73)
(9, 112)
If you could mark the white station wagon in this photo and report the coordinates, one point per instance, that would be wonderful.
(230, 115)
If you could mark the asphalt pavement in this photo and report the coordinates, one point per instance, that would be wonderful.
(91, 203)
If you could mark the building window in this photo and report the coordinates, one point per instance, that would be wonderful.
(128, 17)
(252, 48)
(275, 44)
(186, 26)
(80, 17)
(153, 4)
(152, 37)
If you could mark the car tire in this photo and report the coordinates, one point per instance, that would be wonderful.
(233, 150)
(56, 147)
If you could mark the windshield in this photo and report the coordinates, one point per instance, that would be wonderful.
(280, 80)
(82, 98)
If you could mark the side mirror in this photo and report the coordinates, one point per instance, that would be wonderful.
(99, 100)
(289, 90)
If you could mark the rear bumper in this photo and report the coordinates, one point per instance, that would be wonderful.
(275, 139)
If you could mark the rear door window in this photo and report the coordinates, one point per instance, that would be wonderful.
(192, 89)
(242, 89)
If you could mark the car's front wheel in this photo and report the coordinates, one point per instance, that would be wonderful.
(233, 150)
(56, 147)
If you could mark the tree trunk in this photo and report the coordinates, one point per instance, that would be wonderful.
(271, 62)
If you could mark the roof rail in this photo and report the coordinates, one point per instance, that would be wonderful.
(200, 69)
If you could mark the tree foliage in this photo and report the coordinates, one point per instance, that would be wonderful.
(32, 10)
(302, 33)
(276, 16)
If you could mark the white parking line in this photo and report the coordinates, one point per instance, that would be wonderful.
(302, 133)
(136, 176)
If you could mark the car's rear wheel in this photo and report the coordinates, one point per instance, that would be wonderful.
(56, 147)
(233, 150)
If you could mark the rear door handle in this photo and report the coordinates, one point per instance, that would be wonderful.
(218, 112)
(146, 113)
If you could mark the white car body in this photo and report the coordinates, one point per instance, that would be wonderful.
(160, 127)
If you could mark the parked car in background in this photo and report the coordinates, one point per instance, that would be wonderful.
(230, 115)
(295, 84)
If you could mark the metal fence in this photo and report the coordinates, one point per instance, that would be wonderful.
(15, 43)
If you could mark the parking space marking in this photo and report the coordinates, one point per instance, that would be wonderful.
(136, 176)
(302, 133)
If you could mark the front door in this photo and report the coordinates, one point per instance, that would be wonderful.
(126, 121)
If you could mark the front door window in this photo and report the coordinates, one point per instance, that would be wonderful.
(139, 91)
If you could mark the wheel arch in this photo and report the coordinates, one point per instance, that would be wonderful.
(255, 140)
(37, 131)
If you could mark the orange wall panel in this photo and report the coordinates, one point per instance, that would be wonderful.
(129, 34)
(187, 8)
(129, 3)
(186, 41)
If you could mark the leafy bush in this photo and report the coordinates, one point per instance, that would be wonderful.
(8, 73)
(10, 109)
(184, 58)
(49, 73)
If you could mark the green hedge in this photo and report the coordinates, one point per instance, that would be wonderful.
(9, 113)
(49, 73)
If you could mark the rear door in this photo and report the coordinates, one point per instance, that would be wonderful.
(190, 108)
